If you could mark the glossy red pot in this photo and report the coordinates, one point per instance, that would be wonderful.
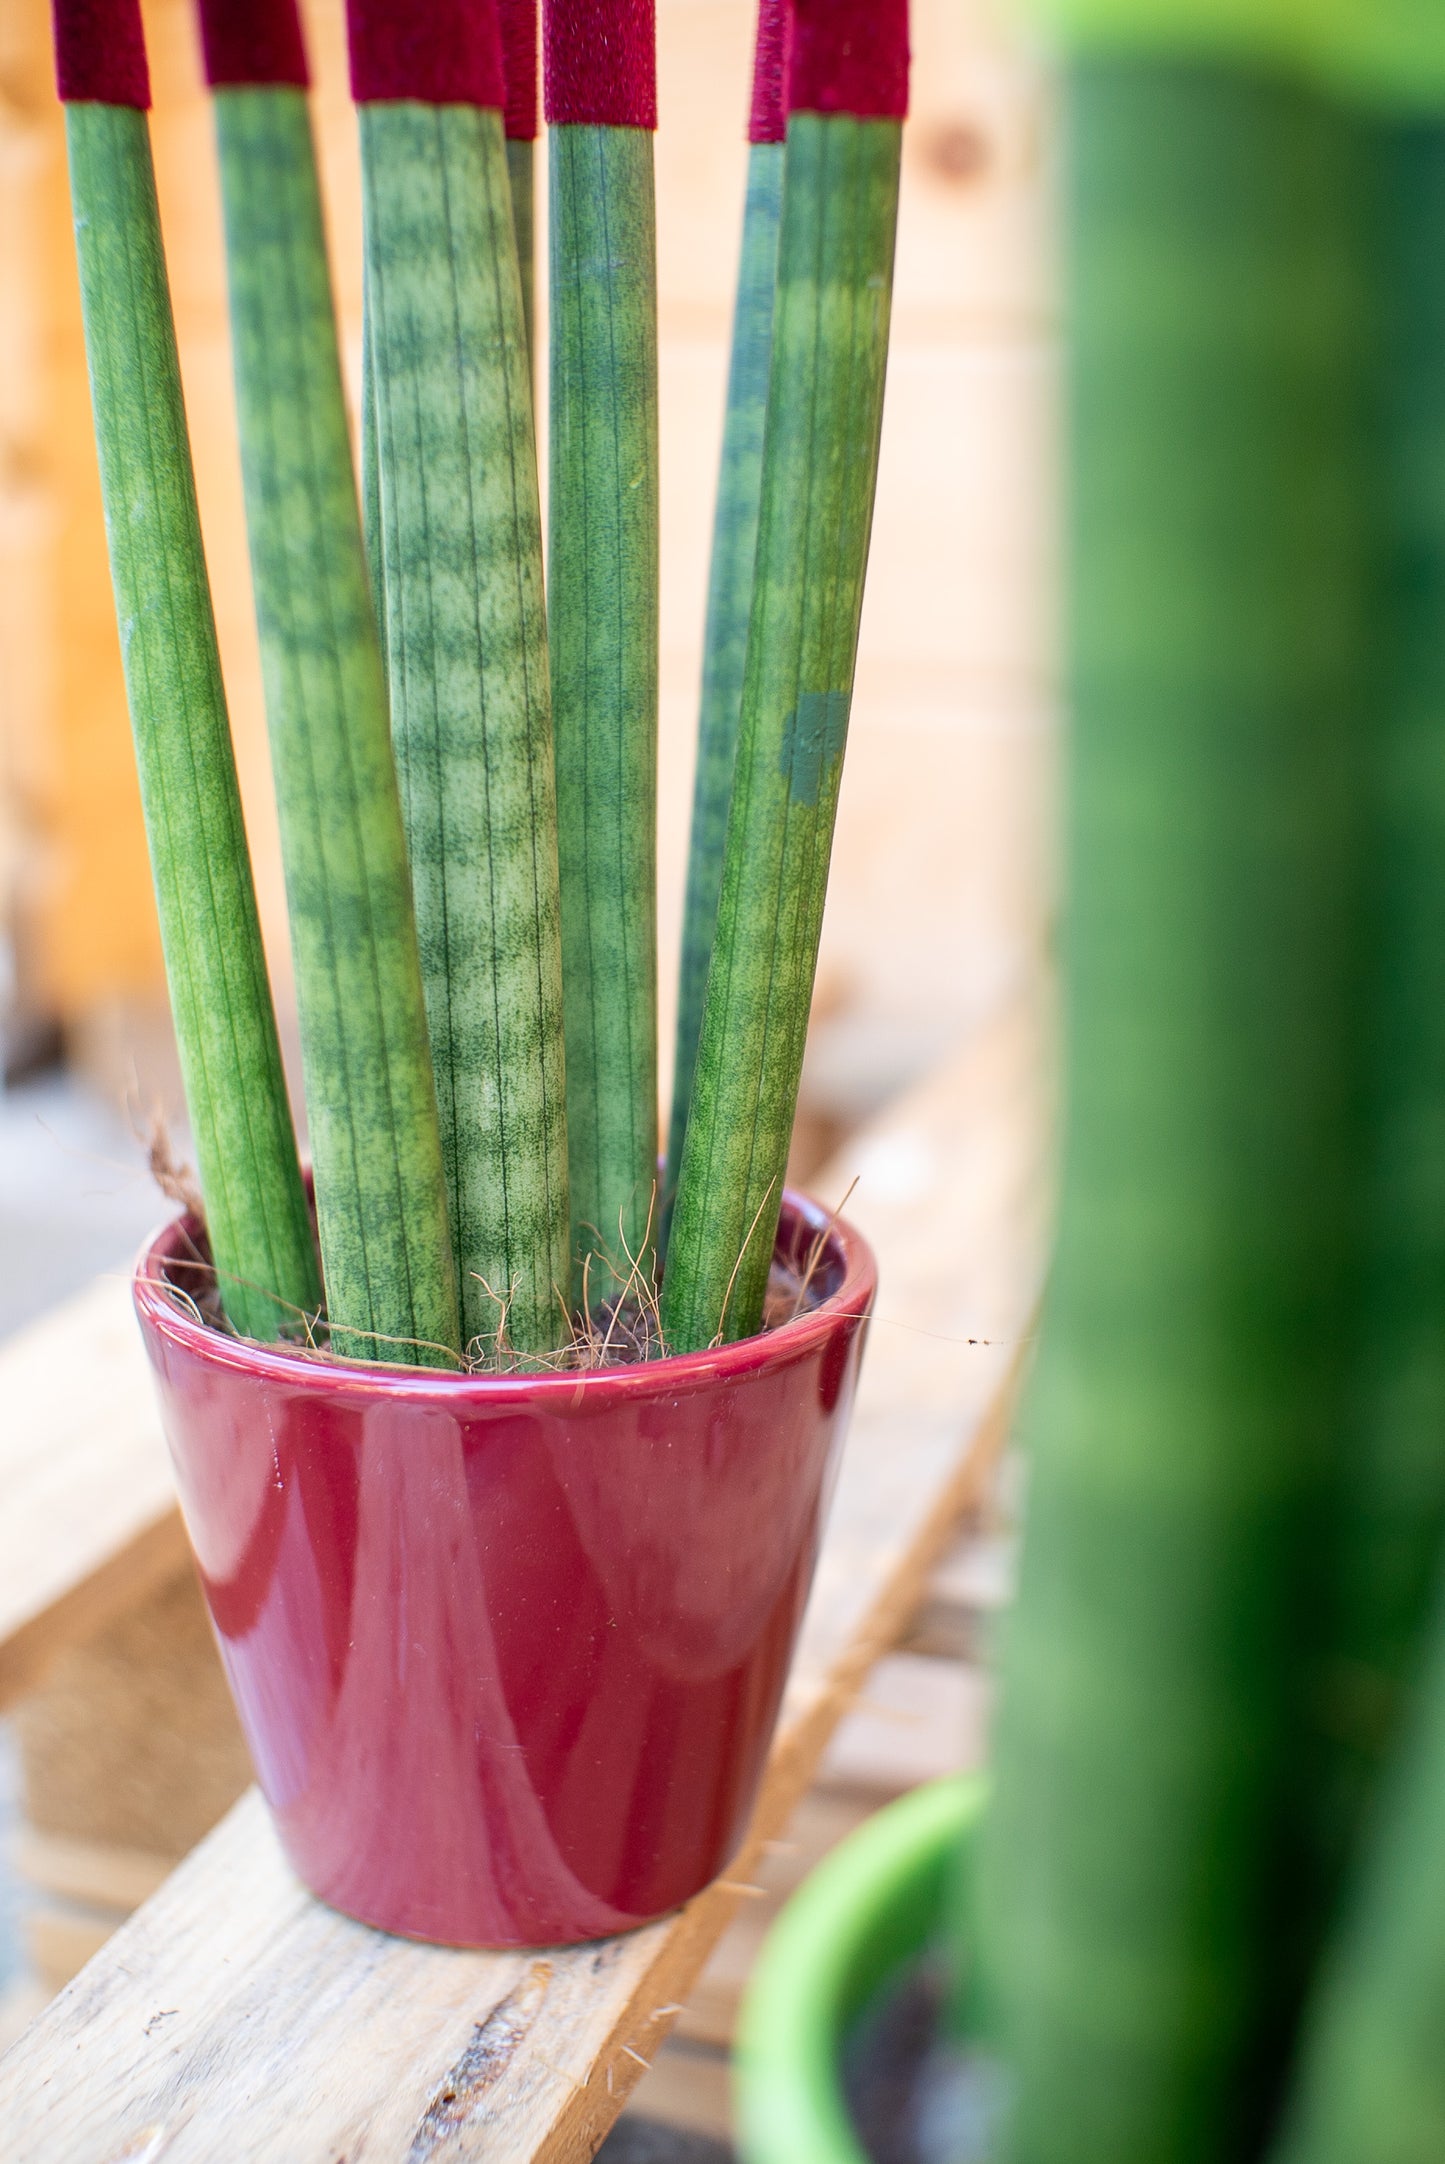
(508, 1650)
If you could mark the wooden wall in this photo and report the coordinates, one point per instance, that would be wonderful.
(940, 875)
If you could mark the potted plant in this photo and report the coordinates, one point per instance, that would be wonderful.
(505, 1519)
(1199, 1920)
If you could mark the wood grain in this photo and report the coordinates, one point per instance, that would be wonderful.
(234, 2015)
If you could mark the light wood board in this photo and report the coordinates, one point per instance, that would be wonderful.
(89, 1522)
(234, 2016)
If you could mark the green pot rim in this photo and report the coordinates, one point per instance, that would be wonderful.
(868, 1908)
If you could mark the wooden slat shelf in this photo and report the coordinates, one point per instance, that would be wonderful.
(90, 1521)
(233, 2015)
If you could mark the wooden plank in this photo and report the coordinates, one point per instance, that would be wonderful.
(689, 2087)
(59, 1939)
(20, 2002)
(917, 1718)
(234, 2015)
(131, 1739)
(823, 1818)
(90, 1521)
(966, 1592)
(95, 1874)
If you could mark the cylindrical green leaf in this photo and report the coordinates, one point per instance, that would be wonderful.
(1142, 1892)
(521, 173)
(1371, 2082)
(825, 406)
(729, 604)
(470, 714)
(371, 477)
(225, 1026)
(381, 1207)
(602, 601)
(1386, 53)
(1379, 1568)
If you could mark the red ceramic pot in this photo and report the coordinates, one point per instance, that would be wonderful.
(508, 1650)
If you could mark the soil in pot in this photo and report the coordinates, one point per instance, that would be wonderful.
(914, 2096)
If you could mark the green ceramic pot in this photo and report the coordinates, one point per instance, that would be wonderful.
(862, 1918)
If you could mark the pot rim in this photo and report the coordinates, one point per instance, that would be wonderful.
(820, 1958)
(852, 1301)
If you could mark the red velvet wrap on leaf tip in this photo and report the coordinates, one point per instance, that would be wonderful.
(600, 63)
(100, 53)
(519, 65)
(253, 41)
(439, 52)
(768, 120)
(849, 56)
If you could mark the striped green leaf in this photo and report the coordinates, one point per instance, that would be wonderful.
(221, 1000)
(467, 660)
(1390, 1508)
(1371, 2082)
(1143, 1888)
(371, 477)
(602, 599)
(521, 173)
(381, 1203)
(729, 602)
(825, 404)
